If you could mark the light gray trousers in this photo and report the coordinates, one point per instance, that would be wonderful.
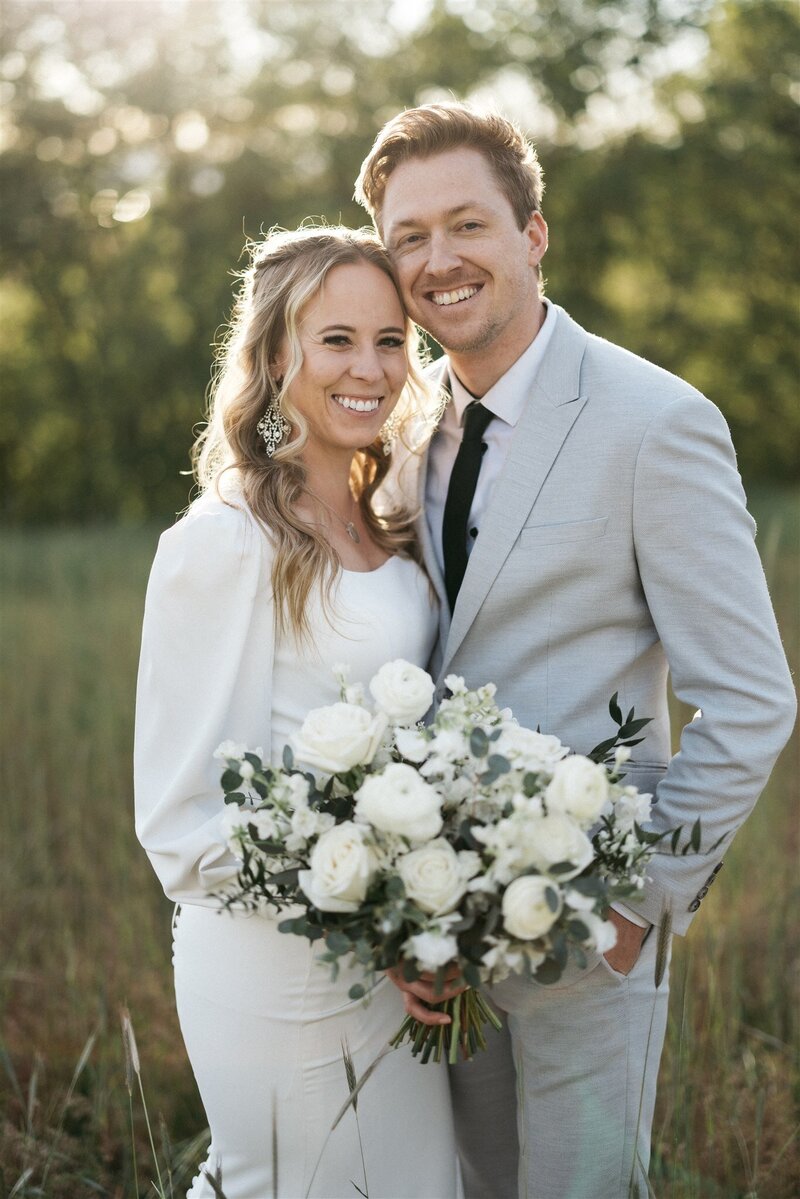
(561, 1103)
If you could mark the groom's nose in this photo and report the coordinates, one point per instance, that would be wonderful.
(442, 257)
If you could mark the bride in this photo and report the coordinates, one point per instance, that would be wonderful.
(280, 569)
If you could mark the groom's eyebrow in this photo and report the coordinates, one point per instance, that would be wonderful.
(410, 222)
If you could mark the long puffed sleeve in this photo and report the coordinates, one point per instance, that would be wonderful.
(204, 677)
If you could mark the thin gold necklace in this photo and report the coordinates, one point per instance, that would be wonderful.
(350, 528)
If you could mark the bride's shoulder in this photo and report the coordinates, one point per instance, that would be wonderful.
(218, 537)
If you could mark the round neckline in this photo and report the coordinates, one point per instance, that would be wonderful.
(376, 570)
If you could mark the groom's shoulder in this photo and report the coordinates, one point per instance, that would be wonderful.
(617, 376)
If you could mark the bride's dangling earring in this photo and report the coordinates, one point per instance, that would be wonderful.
(273, 427)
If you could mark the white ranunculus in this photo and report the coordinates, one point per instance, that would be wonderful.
(578, 787)
(412, 744)
(526, 912)
(341, 869)
(399, 801)
(339, 737)
(602, 933)
(433, 877)
(548, 840)
(529, 749)
(433, 950)
(403, 691)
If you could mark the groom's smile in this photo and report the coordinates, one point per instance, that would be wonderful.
(467, 271)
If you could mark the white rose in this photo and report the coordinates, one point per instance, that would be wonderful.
(602, 933)
(399, 801)
(403, 691)
(578, 787)
(433, 877)
(341, 869)
(432, 950)
(526, 912)
(339, 737)
(412, 744)
(526, 747)
(547, 840)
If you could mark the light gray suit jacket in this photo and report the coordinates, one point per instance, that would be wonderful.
(617, 548)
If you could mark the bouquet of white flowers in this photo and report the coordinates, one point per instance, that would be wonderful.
(470, 841)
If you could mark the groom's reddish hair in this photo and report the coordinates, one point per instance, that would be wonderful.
(434, 128)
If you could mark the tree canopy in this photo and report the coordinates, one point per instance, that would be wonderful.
(145, 141)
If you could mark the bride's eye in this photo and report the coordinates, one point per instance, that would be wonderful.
(336, 339)
(393, 342)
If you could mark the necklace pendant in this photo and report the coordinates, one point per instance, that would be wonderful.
(352, 532)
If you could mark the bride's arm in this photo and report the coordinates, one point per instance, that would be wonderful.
(204, 677)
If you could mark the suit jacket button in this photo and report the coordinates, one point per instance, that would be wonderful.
(694, 905)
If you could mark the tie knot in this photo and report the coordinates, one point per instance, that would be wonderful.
(476, 421)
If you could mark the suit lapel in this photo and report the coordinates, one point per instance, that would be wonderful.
(554, 404)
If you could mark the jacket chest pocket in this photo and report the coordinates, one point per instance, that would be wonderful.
(554, 534)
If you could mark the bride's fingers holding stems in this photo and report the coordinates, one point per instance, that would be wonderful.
(422, 991)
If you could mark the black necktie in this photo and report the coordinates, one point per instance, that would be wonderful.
(460, 493)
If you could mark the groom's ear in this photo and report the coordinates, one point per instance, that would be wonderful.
(536, 233)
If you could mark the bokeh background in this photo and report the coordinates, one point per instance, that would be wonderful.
(142, 142)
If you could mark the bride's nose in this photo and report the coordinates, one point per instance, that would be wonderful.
(367, 365)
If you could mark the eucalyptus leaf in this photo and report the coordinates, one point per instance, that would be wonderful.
(614, 708)
(231, 780)
(548, 972)
(338, 942)
(478, 743)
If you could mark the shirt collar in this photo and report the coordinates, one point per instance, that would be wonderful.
(508, 397)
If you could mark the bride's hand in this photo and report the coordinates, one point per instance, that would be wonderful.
(417, 995)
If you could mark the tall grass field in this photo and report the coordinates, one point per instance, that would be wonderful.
(86, 929)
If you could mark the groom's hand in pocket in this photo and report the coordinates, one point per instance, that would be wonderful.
(419, 994)
(630, 937)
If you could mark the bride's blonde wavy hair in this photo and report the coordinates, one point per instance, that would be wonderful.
(286, 270)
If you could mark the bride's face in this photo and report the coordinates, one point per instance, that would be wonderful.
(352, 337)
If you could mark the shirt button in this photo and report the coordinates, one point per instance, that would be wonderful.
(473, 533)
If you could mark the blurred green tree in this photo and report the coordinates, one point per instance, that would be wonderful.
(145, 140)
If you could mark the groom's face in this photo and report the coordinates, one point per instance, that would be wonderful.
(466, 269)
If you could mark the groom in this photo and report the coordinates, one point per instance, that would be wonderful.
(585, 526)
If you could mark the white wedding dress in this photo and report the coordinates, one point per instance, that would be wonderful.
(263, 1023)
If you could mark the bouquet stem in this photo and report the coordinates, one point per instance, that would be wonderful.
(468, 1012)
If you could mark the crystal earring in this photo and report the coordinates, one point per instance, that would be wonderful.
(273, 427)
(388, 432)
